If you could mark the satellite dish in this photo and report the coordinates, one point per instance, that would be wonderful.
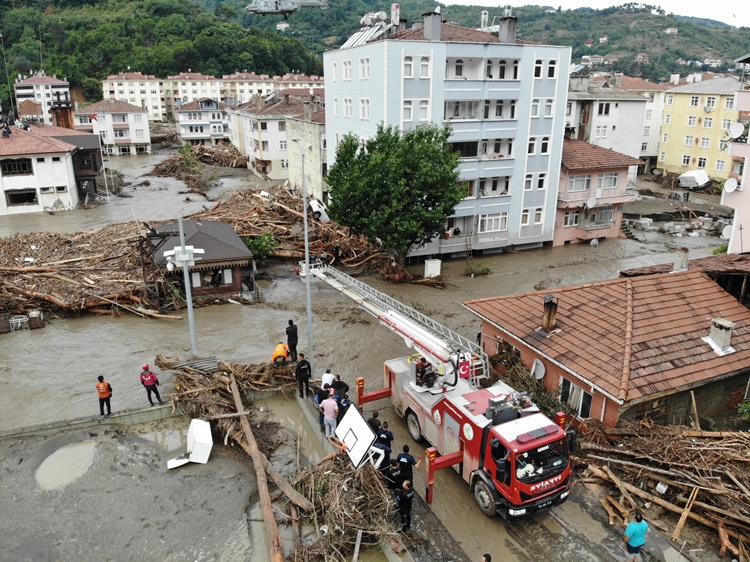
(730, 185)
(726, 233)
(538, 370)
(591, 203)
(736, 130)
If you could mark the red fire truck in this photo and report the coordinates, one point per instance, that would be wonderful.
(515, 459)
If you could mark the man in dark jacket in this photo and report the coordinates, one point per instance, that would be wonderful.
(302, 374)
(405, 496)
(291, 340)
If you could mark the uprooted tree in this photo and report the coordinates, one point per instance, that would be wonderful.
(398, 188)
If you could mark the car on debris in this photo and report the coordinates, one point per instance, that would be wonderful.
(694, 179)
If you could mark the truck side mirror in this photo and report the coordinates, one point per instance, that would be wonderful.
(572, 441)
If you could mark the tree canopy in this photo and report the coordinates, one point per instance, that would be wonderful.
(398, 187)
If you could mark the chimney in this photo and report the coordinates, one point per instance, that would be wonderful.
(618, 79)
(507, 31)
(432, 23)
(674, 78)
(395, 14)
(485, 19)
(308, 111)
(286, 99)
(720, 335)
(402, 23)
(550, 313)
(681, 260)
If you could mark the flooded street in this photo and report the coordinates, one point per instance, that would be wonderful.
(49, 375)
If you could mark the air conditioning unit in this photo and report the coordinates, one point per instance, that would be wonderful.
(708, 109)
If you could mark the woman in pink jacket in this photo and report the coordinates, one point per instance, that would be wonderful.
(150, 381)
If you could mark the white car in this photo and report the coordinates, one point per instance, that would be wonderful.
(319, 211)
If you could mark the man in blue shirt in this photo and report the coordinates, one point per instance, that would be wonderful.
(635, 536)
(407, 464)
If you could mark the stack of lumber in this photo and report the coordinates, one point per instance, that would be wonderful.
(701, 475)
(224, 155)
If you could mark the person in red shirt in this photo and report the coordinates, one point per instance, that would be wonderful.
(150, 381)
(105, 393)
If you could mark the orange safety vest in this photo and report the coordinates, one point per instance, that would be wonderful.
(103, 389)
(281, 351)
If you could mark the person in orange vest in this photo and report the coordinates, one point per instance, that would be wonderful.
(105, 393)
(280, 354)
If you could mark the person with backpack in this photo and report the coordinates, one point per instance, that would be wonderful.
(302, 374)
(150, 381)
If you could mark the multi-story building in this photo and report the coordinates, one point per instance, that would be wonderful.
(593, 189)
(298, 81)
(123, 128)
(135, 88)
(310, 130)
(204, 121)
(697, 117)
(36, 94)
(191, 86)
(240, 87)
(504, 100)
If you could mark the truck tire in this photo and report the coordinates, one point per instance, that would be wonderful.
(412, 424)
(317, 215)
(485, 498)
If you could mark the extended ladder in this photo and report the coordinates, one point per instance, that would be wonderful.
(379, 305)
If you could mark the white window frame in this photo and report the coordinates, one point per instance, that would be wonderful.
(424, 67)
(535, 108)
(408, 67)
(702, 161)
(692, 121)
(689, 140)
(695, 101)
(726, 124)
(729, 102)
(705, 142)
(608, 180)
(721, 165)
(571, 218)
(408, 111)
(708, 122)
(549, 106)
(667, 118)
(538, 215)
(670, 99)
(686, 160)
(575, 398)
(580, 183)
(525, 215)
(424, 110)
(497, 222)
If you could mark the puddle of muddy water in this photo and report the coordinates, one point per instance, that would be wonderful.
(65, 465)
(169, 434)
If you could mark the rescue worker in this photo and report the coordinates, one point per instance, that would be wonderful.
(150, 381)
(405, 496)
(280, 354)
(425, 373)
(384, 441)
(339, 387)
(291, 340)
(105, 393)
(393, 478)
(408, 464)
(302, 374)
(374, 422)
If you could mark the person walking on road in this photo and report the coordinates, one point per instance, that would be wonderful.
(291, 340)
(302, 374)
(405, 496)
(635, 536)
(330, 408)
(105, 393)
(150, 381)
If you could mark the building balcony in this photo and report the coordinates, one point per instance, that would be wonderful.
(124, 140)
(571, 200)
(591, 231)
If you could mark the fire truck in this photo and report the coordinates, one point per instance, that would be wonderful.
(514, 458)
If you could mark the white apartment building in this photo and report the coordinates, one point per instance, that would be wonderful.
(240, 87)
(36, 94)
(505, 101)
(123, 128)
(191, 86)
(143, 90)
(203, 122)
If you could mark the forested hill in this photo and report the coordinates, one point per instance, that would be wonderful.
(86, 40)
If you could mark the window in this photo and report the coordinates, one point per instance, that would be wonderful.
(282, 126)
(728, 103)
(644, 146)
(689, 140)
(548, 108)
(571, 218)
(670, 99)
(532, 146)
(608, 180)
(119, 134)
(263, 125)
(708, 122)
(348, 107)
(711, 102)
(347, 67)
(686, 160)
(423, 110)
(576, 398)
(541, 181)
(667, 118)
(61, 188)
(424, 67)
(538, 215)
(407, 111)
(264, 145)
(665, 138)
(579, 183)
(601, 132)
(55, 158)
(364, 69)
(41, 160)
(139, 133)
(335, 71)
(545, 145)
(568, 108)
(282, 145)
(525, 217)
(18, 167)
(529, 180)
(535, 108)
(538, 69)
(603, 108)
(408, 67)
(692, 121)
(725, 124)
(137, 118)
(284, 164)
(649, 112)
(459, 68)
(705, 142)
(701, 162)
(21, 197)
(551, 69)
(694, 101)
(663, 157)
(493, 223)
(720, 165)
(488, 70)
(646, 131)
(501, 67)
(364, 109)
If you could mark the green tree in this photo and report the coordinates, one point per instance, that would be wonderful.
(399, 188)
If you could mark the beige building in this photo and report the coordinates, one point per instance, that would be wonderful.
(310, 129)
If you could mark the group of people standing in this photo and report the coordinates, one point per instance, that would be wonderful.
(149, 380)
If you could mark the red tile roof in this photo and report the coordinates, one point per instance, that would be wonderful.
(41, 80)
(671, 313)
(449, 32)
(27, 143)
(54, 131)
(724, 263)
(293, 106)
(580, 155)
(110, 106)
(191, 76)
(132, 76)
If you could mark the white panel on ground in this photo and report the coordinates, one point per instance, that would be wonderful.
(199, 444)
(356, 434)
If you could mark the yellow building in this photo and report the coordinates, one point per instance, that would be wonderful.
(695, 127)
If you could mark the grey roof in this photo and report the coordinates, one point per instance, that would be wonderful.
(727, 86)
(219, 240)
(744, 59)
(600, 92)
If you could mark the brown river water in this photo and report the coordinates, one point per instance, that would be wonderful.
(49, 375)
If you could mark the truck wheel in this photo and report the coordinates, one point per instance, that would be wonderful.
(316, 215)
(485, 499)
(412, 424)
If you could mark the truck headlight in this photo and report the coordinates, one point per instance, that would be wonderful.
(517, 512)
(564, 494)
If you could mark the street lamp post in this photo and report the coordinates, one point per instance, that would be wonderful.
(307, 258)
(184, 256)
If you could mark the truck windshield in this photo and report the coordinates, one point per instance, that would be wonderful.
(542, 462)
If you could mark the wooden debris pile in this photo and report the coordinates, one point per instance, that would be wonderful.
(334, 499)
(199, 179)
(224, 155)
(90, 271)
(701, 475)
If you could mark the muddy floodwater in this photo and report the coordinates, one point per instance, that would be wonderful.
(49, 375)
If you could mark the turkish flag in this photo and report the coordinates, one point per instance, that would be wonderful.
(464, 369)
(92, 117)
